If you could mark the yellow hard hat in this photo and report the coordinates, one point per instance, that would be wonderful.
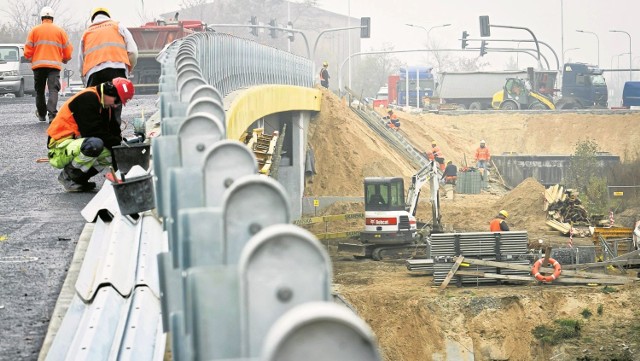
(504, 213)
(433, 142)
(325, 63)
(97, 11)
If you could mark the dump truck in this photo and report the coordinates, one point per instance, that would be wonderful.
(151, 38)
(472, 90)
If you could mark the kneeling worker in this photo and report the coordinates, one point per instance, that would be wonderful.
(84, 131)
(498, 224)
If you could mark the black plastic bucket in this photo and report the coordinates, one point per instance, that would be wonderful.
(135, 195)
(126, 156)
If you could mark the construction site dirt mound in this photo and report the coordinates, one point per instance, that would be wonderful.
(413, 319)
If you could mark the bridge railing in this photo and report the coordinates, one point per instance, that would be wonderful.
(239, 281)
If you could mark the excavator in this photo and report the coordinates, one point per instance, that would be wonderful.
(391, 229)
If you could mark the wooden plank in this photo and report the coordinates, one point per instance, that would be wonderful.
(621, 262)
(563, 280)
(542, 269)
(452, 271)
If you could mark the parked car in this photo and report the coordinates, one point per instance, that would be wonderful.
(16, 75)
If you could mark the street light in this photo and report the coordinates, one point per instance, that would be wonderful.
(597, 39)
(433, 27)
(629, 35)
(566, 50)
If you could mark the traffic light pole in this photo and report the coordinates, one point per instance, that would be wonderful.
(528, 41)
(265, 27)
(522, 28)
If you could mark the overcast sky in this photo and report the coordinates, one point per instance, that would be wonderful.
(543, 17)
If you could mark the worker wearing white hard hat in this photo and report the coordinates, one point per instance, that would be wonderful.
(324, 75)
(48, 48)
(483, 157)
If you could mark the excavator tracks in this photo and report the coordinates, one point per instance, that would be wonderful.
(399, 252)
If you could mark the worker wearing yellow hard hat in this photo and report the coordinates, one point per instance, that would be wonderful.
(498, 224)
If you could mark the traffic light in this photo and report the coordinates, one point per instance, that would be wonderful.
(272, 31)
(465, 35)
(483, 47)
(365, 28)
(290, 34)
(253, 30)
(485, 28)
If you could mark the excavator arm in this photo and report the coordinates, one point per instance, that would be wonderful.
(428, 173)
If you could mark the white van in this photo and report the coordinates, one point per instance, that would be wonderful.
(16, 75)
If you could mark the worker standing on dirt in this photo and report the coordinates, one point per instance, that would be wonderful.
(498, 224)
(324, 75)
(437, 154)
(47, 48)
(85, 130)
(483, 156)
(107, 51)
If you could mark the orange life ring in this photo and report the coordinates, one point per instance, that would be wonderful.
(557, 270)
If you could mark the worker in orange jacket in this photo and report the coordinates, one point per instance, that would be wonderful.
(498, 224)
(437, 155)
(47, 48)
(107, 51)
(85, 131)
(483, 156)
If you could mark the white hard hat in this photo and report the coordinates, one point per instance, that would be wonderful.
(46, 12)
(482, 142)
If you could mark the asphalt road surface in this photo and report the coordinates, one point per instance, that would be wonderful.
(40, 225)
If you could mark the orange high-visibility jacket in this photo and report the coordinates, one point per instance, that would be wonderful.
(64, 124)
(498, 225)
(103, 42)
(47, 46)
(483, 154)
(436, 152)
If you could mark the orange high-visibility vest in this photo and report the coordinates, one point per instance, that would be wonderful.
(47, 46)
(102, 42)
(494, 226)
(436, 152)
(64, 124)
(483, 154)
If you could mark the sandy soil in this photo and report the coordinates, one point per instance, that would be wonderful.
(412, 319)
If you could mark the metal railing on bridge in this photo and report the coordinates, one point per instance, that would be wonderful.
(236, 280)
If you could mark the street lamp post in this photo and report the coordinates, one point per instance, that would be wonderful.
(433, 27)
(566, 50)
(597, 39)
(630, 57)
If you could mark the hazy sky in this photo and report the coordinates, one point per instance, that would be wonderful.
(543, 17)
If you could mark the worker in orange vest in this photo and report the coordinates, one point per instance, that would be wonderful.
(394, 122)
(483, 156)
(107, 51)
(437, 155)
(47, 48)
(498, 224)
(85, 130)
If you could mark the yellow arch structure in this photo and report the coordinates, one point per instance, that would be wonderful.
(259, 101)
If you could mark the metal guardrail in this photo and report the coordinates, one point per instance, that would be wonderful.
(223, 289)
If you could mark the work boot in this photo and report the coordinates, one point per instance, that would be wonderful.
(41, 118)
(69, 185)
(75, 180)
